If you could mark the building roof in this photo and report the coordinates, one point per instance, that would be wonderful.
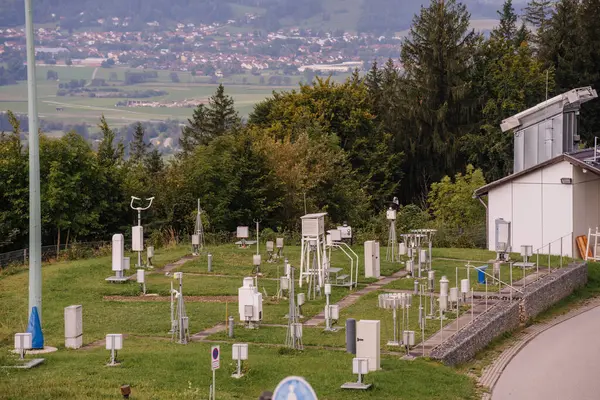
(581, 158)
(550, 107)
(313, 216)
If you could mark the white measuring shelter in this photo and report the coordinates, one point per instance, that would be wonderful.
(114, 343)
(239, 353)
(360, 367)
(250, 303)
(368, 342)
(119, 262)
(73, 327)
(23, 342)
(372, 259)
(312, 266)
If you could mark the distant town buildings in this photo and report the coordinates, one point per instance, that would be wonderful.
(191, 47)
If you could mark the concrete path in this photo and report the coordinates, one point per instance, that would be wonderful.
(557, 360)
(201, 336)
(170, 267)
(354, 296)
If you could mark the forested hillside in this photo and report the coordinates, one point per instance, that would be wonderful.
(374, 15)
(428, 134)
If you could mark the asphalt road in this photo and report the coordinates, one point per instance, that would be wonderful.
(562, 363)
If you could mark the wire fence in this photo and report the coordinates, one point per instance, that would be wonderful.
(71, 250)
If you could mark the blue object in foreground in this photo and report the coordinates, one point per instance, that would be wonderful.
(35, 328)
(481, 274)
(294, 388)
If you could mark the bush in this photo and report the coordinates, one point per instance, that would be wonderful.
(473, 237)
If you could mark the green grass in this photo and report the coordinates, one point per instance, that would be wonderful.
(161, 370)
(158, 369)
(366, 308)
(234, 261)
(78, 109)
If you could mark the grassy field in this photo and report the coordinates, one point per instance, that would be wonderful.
(161, 370)
(158, 369)
(245, 89)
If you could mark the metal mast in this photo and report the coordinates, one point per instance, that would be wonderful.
(35, 221)
(200, 228)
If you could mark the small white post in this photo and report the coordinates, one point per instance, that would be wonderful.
(423, 326)
(172, 308)
(257, 236)
(213, 385)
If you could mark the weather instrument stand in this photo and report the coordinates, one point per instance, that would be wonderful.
(180, 331)
(391, 251)
(293, 338)
(137, 231)
(198, 236)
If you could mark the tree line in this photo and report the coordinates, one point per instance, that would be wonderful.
(427, 133)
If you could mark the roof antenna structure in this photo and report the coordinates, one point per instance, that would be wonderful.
(137, 237)
(198, 236)
(549, 130)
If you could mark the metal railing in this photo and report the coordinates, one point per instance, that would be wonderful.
(20, 257)
(561, 243)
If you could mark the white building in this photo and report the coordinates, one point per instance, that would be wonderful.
(554, 194)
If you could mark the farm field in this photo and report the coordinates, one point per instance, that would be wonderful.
(157, 368)
(246, 90)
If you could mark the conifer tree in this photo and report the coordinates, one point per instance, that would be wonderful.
(538, 14)
(438, 58)
(108, 154)
(138, 147)
(588, 54)
(210, 121)
(373, 84)
(221, 113)
(561, 43)
(507, 28)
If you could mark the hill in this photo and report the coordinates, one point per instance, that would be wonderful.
(377, 16)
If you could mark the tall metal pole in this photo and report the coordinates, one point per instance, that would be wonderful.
(139, 224)
(35, 221)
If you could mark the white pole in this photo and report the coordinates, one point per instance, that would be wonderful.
(172, 308)
(327, 312)
(35, 219)
(213, 385)
(423, 328)
(257, 242)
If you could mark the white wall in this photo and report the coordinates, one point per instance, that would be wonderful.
(538, 207)
(586, 201)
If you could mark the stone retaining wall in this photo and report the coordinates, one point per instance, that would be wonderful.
(503, 317)
(507, 316)
(550, 289)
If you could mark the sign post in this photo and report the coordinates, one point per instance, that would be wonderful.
(215, 356)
